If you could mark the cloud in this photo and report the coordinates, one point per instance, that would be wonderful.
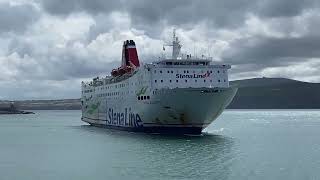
(305, 70)
(16, 18)
(272, 51)
(61, 7)
(284, 8)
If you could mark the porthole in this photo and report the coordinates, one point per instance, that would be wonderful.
(177, 80)
(162, 81)
(170, 80)
(219, 80)
(155, 81)
(160, 71)
(186, 80)
(218, 71)
(204, 80)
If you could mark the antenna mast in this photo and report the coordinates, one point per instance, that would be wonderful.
(176, 46)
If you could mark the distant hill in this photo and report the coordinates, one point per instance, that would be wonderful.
(257, 93)
(275, 93)
(63, 104)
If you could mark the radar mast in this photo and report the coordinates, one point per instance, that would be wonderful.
(176, 46)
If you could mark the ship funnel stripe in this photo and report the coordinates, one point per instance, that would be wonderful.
(131, 46)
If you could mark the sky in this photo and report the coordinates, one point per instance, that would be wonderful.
(47, 47)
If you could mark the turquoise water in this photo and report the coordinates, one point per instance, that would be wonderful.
(240, 144)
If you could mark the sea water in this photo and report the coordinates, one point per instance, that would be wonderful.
(240, 144)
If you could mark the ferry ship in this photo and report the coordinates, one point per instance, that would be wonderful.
(179, 95)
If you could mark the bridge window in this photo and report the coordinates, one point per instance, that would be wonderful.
(138, 97)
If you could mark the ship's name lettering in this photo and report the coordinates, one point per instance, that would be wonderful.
(126, 118)
(191, 76)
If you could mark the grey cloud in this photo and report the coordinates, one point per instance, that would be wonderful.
(62, 7)
(57, 63)
(282, 8)
(222, 14)
(254, 55)
(185, 13)
(16, 18)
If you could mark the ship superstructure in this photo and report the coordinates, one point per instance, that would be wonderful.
(176, 95)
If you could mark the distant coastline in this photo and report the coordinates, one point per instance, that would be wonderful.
(11, 108)
(257, 93)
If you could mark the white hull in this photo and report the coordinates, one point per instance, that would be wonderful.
(168, 96)
(181, 110)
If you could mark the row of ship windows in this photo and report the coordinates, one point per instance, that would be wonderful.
(115, 93)
(115, 86)
(187, 71)
(187, 81)
(143, 97)
(118, 93)
(87, 91)
(112, 94)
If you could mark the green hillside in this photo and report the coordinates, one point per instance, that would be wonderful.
(275, 93)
